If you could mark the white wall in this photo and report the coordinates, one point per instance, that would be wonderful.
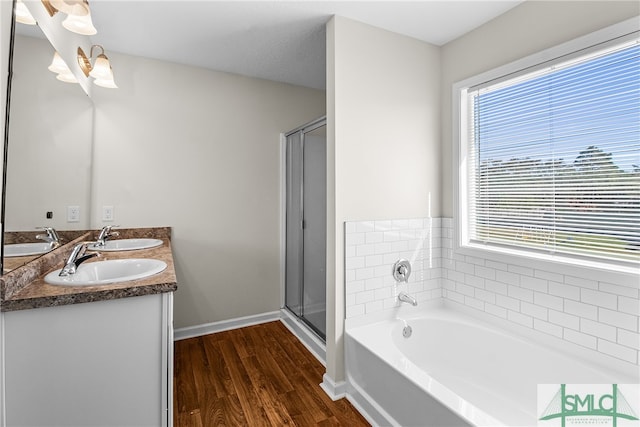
(199, 151)
(526, 29)
(383, 143)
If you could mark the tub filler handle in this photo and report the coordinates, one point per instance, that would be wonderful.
(401, 270)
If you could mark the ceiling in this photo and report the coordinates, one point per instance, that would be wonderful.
(275, 40)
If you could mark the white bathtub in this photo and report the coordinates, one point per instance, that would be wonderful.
(458, 370)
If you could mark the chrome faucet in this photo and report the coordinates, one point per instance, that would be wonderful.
(76, 258)
(105, 234)
(405, 297)
(51, 236)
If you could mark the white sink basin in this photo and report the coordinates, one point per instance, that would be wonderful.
(109, 271)
(126, 245)
(24, 249)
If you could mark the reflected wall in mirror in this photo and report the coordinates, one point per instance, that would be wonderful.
(49, 150)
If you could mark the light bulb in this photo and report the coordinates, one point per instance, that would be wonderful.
(80, 24)
(107, 82)
(58, 65)
(71, 7)
(67, 77)
(101, 68)
(23, 15)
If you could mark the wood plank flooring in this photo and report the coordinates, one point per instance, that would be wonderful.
(255, 376)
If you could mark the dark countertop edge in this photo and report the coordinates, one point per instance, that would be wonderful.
(102, 295)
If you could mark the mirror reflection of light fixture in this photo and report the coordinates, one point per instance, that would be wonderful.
(67, 77)
(100, 70)
(79, 15)
(23, 15)
(80, 24)
(60, 67)
(70, 7)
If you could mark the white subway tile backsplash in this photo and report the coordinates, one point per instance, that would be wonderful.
(581, 310)
(615, 350)
(373, 237)
(364, 297)
(364, 273)
(476, 261)
(616, 318)
(548, 301)
(532, 283)
(601, 299)
(547, 328)
(523, 271)
(546, 275)
(508, 278)
(474, 281)
(598, 329)
(508, 302)
(485, 272)
(373, 306)
(493, 286)
(533, 310)
(520, 318)
(520, 293)
(496, 265)
(475, 303)
(619, 290)
(580, 338)
(581, 282)
(464, 267)
(629, 305)
(563, 319)
(564, 290)
(485, 296)
(465, 289)
(364, 250)
(629, 339)
(495, 310)
(599, 314)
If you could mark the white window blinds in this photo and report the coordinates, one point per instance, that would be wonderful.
(554, 159)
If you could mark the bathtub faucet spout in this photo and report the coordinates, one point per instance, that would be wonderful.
(405, 297)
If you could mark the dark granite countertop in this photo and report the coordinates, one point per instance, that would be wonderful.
(25, 288)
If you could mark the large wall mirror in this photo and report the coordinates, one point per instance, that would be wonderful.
(49, 152)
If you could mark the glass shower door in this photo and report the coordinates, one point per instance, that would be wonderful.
(305, 287)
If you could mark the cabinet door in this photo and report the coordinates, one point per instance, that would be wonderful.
(92, 364)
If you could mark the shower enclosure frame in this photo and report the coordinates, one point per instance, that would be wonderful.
(302, 130)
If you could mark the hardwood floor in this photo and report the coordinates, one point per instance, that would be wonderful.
(255, 376)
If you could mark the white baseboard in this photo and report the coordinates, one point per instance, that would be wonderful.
(334, 390)
(224, 325)
(312, 342)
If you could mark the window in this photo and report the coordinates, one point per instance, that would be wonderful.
(551, 158)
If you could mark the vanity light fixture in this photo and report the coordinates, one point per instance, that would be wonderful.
(60, 67)
(79, 15)
(100, 70)
(80, 24)
(70, 7)
(23, 15)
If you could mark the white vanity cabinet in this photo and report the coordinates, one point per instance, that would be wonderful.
(104, 363)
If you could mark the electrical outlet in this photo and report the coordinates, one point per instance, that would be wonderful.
(107, 213)
(73, 213)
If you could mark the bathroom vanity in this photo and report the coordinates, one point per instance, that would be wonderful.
(90, 355)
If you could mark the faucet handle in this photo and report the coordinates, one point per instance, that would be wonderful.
(51, 236)
(105, 234)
